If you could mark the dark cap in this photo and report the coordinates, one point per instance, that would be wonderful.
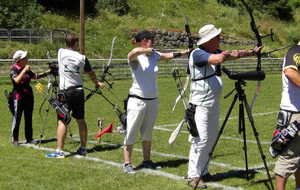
(143, 35)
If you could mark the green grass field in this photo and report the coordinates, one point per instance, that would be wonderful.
(27, 168)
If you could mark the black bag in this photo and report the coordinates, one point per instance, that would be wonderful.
(123, 115)
(284, 133)
(61, 109)
(123, 120)
(190, 118)
(283, 138)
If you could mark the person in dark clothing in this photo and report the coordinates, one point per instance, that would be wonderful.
(23, 100)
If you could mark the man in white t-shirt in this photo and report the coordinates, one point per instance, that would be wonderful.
(71, 65)
(142, 103)
(205, 90)
(289, 160)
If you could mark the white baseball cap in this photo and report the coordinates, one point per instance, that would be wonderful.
(19, 54)
(207, 33)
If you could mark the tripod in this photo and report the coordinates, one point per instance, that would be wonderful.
(52, 92)
(243, 104)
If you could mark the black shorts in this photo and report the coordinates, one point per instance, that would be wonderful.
(75, 102)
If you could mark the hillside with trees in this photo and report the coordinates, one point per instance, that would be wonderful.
(108, 18)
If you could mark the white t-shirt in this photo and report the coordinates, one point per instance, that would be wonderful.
(71, 65)
(290, 96)
(203, 92)
(144, 75)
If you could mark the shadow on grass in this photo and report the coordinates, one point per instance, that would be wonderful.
(104, 147)
(97, 148)
(239, 174)
(171, 163)
(166, 164)
(223, 155)
(44, 141)
(266, 182)
(233, 174)
(39, 141)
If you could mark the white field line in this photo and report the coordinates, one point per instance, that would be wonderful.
(119, 165)
(220, 164)
(222, 137)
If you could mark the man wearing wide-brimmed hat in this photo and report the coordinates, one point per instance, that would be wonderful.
(206, 87)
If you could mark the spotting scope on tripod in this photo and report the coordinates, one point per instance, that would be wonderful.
(249, 75)
(240, 78)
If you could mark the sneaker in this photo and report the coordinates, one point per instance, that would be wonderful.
(149, 164)
(81, 151)
(55, 155)
(128, 169)
(197, 183)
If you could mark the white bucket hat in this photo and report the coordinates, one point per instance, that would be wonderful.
(19, 54)
(207, 33)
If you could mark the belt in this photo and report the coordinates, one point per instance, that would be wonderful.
(206, 77)
(74, 87)
(138, 97)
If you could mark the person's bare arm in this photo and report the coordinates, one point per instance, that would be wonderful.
(18, 78)
(235, 54)
(41, 75)
(293, 75)
(216, 59)
(171, 55)
(138, 51)
(93, 77)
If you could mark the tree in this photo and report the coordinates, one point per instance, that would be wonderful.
(69, 6)
(277, 8)
(119, 7)
(19, 14)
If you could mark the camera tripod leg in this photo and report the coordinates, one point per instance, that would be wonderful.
(242, 129)
(263, 157)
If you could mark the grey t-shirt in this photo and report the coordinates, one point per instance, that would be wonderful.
(203, 92)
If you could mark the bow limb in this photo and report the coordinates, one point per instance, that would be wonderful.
(176, 132)
(188, 32)
(181, 89)
(257, 90)
(258, 37)
(258, 68)
(105, 72)
(107, 66)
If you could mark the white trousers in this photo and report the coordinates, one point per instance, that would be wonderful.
(207, 121)
(141, 115)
